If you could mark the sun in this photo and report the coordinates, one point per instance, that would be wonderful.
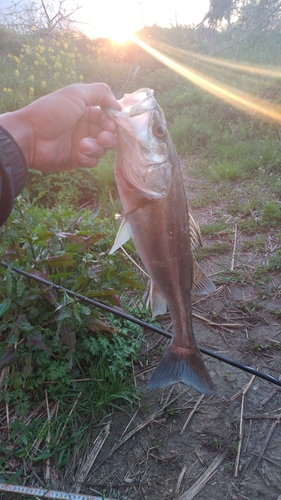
(121, 34)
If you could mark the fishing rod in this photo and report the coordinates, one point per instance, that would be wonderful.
(129, 317)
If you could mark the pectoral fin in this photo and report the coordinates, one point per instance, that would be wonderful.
(123, 235)
(201, 285)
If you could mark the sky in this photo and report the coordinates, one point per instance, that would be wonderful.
(106, 17)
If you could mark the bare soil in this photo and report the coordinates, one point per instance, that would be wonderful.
(182, 445)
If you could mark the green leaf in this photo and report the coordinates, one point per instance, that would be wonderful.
(26, 327)
(20, 288)
(9, 283)
(7, 357)
(14, 334)
(42, 456)
(64, 260)
(86, 310)
(5, 306)
(27, 367)
(64, 314)
(91, 240)
(35, 339)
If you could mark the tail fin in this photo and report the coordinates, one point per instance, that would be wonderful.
(182, 365)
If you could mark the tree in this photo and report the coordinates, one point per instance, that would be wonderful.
(219, 11)
(39, 15)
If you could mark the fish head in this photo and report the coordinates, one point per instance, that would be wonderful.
(145, 150)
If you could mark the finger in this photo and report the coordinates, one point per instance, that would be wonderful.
(88, 162)
(97, 94)
(97, 118)
(89, 146)
(108, 124)
(107, 140)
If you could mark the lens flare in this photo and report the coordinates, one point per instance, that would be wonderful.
(239, 98)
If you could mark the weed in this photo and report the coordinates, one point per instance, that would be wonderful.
(214, 228)
(275, 261)
(256, 244)
(225, 170)
(276, 313)
(233, 448)
(216, 443)
(229, 377)
(215, 249)
(230, 466)
(271, 213)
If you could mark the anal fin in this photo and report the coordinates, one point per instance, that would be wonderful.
(157, 303)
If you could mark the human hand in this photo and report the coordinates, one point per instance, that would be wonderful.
(65, 129)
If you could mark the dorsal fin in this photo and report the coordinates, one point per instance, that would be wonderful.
(194, 231)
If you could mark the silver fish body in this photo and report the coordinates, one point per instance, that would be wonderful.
(157, 216)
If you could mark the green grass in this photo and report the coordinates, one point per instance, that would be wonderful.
(212, 250)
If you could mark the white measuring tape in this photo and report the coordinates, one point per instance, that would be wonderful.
(41, 492)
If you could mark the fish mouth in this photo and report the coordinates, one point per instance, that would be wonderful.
(133, 105)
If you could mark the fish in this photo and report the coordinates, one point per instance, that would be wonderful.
(158, 219)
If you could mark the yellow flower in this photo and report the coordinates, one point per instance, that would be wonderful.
(81, 77)
(17, 72)
(31, 78)
(16, 59)
(8, 90)
(65, 45)
(34, 28)
(41, 40)
(36, 62)
(43, 83)
(31, 90)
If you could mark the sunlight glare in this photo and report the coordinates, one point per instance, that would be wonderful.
(121, 34)
(120, 20)
(235, 97)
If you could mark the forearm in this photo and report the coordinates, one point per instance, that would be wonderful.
(13, 167)
(17, 123)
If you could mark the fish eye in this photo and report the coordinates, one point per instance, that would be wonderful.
(159, 130)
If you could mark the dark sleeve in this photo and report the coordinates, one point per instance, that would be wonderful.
(13, 172)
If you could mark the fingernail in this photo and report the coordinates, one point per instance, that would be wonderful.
(89, 153)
